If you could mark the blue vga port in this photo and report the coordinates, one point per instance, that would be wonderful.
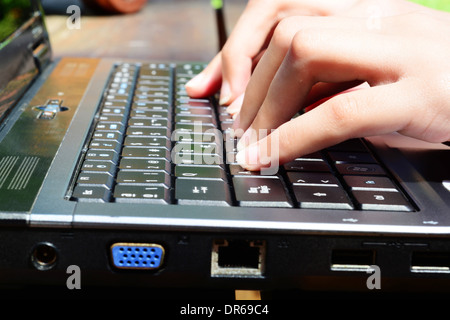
(140, 256)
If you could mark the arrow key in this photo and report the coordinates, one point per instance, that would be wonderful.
(322, 197)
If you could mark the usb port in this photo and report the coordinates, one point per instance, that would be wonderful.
(352, 260)
(430, 262)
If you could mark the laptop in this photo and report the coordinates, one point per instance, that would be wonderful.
(108, 168)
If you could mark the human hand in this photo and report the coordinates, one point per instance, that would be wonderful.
(404, 64)
(231, 69)
(310, 58)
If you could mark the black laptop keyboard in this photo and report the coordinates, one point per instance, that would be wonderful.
(152, 143)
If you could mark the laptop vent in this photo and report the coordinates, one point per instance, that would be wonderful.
(20, 175)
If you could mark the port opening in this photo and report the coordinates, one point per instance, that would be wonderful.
(44, 256)
(352, 260)
(137, 256)
(430, 262)
(238, 258)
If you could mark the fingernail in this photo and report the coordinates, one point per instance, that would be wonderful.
(236, 131)
(236, 120)
(248, 158)
(245, 140)
(236, 105)
(225, 94)
(240, 144)
(195, 81)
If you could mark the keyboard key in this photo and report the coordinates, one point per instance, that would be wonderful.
(192, 119)
(149, 106)
(237, 170)
(133, 141)
(108, 136)
(205, 171)
(113, 119)
(136, 193)
(154, 73)
(105, 145)
(185, 110)
(231, 145)
(144, 152)
(381, 200)
(199, 127)
(99, 166)
(103, 155)
(110, 127)
(142, 177)
(139, 113)
(95, 178)
(112, 104)
(316, 156)
(313, 179)
(260, 192)
(185, 136)
(196, 159)
(370, 183)
(147, 132)
(91, 193)
(360, 169)
(351, 157)
(145, 164)
(231, 158)
(195, 147)
(202, 191)
(322, 197)
(148, 122)
(301, 165)
(194, 103)
(113, 111)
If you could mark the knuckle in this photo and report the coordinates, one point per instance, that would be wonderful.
(226, 52)
(343, 109)
(303, 49)
(305, 43)
(283, 33)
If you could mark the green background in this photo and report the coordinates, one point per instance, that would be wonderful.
(435, 4)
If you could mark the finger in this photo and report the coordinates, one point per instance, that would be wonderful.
(359, 113)
(278, 48)
(325, 55)
(236, 105)
(323, 91)
(207, 82)
(245, 42)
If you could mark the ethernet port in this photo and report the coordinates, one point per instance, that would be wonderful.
(238, 258)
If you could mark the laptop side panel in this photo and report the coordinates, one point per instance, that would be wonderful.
(32, 142)
(51, 208)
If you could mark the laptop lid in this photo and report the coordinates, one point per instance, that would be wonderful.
(24, 50)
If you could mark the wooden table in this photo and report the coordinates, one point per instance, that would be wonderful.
(173, 30)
